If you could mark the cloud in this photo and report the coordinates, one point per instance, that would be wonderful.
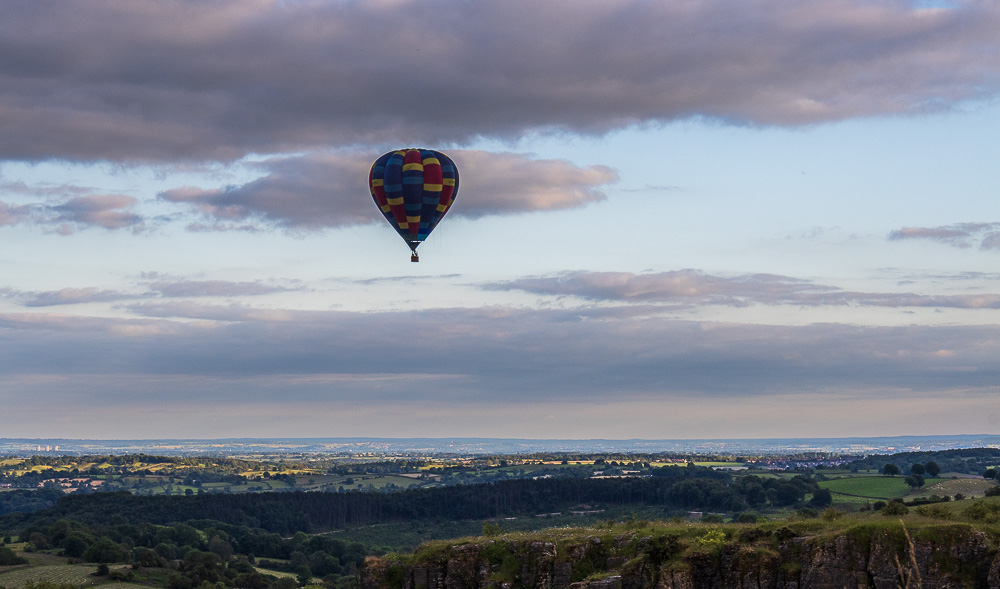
(215, 288)
(193, 80)
(111, 211)
(326, 190)
(692, 287)
(960, 235)
(14, 214)
(490, 355)
(165, 287)
(108, 211)
(73, 296)
(42, 190)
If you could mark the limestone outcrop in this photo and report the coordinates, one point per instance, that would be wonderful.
(879, 555)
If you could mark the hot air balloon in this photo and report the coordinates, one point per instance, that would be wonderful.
(413, 188)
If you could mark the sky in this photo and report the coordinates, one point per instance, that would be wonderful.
(676, 219)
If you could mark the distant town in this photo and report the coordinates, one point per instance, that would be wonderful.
(483, 446)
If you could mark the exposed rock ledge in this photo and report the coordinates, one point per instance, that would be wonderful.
(881, 555)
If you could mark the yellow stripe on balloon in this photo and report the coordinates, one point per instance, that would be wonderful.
(410, 167)
(431, 160)
(432, 187)
(449, 181)
(378, 182)
(395, 201)
(413, 219)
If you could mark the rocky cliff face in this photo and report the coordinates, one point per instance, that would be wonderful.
(881, 556)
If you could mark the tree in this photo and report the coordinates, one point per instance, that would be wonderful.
(917, 468)
(303, 575)
(932, 469)
(821, 498)
(915, 481)
(75, 545)
(105, 550)
(785, 494)
(221, 547)
(890, 469)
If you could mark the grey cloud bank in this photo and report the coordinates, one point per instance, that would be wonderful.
(185, 80)
(497, 355)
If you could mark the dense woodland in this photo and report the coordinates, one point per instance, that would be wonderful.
(673, 488)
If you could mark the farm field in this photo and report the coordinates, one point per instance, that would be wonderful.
(966, 486)
(274, 573)
(74, 574)
(866, 488)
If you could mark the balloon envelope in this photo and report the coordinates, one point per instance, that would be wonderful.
(413, 188)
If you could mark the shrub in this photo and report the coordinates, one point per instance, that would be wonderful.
(895, 507)
(983, 511)
(831, 513)
(935, 510)
(8, 558)
(746, 518)
(712, 540)
(807, 512)
(118, 575)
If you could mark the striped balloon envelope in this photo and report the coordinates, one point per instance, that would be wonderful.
(413, 188)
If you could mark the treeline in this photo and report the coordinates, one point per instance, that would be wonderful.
(672, 489)
(27, 501)
(961, 460)
(201, 551)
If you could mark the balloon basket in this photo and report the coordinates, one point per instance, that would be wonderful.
(414, 257)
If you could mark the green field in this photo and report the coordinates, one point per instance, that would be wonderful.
(865, 488)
